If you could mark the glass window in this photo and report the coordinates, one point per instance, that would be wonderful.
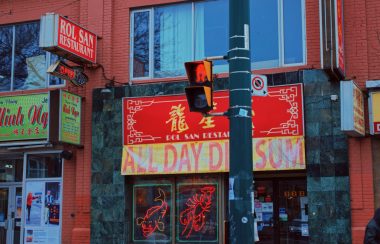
(211, 32)
(11, 170)
(23, 64)
(197, 212)
(152, 213)
(277, 36)
(29, 59)
(141, 44)
(172, 40)
(6, 43)
(193, 207)
(264, 34)
(293, 31)
(44, 166)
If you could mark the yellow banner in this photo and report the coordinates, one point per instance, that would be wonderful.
(280, 153)
(375, 106)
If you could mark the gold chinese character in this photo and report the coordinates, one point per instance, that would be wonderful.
(208, 122)
(177, 119)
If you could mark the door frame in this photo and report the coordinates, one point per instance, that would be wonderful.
(275, 181)
(11, 186)
(52, 179)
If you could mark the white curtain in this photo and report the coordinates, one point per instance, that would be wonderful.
(172, 40)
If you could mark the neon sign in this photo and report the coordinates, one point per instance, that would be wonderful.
(153, 219)
(194, 216)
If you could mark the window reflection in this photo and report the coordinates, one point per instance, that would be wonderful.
(20, 52)
(141, 44)
(29, 62)
(293, 32)
(6, 42)
(172, 40)
(211, 32)
(44, 166)
(11, 170)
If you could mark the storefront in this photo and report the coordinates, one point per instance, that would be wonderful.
(177, 169)
(34, 130)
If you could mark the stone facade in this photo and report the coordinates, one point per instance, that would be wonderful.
(326, 158)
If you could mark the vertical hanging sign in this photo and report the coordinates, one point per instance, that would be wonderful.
(352, 109)
(339, 36)
(70, 118)
(374, 113)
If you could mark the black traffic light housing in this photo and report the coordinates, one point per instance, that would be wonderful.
(199, 93)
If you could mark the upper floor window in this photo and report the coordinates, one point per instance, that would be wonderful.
(23, 64)
(164, 37)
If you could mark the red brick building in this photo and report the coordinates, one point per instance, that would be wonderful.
(336, 186)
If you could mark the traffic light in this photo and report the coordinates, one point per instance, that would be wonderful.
(199, 92)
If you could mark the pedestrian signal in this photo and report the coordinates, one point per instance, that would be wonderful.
(199, 92)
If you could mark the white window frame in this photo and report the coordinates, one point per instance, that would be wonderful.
(254, 65)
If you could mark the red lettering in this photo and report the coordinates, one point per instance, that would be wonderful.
(151, 168)
(219, 149)
(129, 160)
(261, 154)
(184, 159)
(196, 153)
(273, 152)
(140, 167)
(169, 168)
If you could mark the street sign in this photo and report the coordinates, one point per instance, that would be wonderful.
(259, 85)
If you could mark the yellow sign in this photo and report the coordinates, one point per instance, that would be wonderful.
(375, 112)
(280, 153)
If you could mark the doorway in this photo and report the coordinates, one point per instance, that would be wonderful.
(281, 208)
(11, 170)
(10, 213)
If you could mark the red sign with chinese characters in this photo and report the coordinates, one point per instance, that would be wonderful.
(151, 120)
(77, 40)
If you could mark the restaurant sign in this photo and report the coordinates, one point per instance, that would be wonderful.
(24, 117)
(374, 112)
(352, 109)
(67, 39)
(61, 70)
(184, 142)
(70, 118)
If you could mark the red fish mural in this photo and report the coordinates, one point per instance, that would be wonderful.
(153, 219)
(194, 216)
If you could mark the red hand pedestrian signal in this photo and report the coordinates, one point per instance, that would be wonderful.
(199, 92)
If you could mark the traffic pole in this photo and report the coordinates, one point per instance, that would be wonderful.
(240, 114)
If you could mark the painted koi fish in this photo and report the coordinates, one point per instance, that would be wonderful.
(152, 220)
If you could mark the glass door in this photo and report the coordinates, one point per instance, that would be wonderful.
(4, 225)
(10, 214)
(293, 212)
(281, 209)
(264, 210)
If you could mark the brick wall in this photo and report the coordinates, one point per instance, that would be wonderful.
(77, 172)
(362, 48)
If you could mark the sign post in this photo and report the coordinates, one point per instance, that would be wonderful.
(240, 114)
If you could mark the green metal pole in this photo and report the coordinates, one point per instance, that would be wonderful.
(240, 114)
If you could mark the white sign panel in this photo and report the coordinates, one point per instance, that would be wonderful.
(352, 109)
(259, 85)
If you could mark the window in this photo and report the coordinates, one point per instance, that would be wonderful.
(23, 64)
(184, 209)
(44, 166)
(163, 38)
(277, 33)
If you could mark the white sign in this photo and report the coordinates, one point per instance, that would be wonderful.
(352, 109)
(259, 85)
